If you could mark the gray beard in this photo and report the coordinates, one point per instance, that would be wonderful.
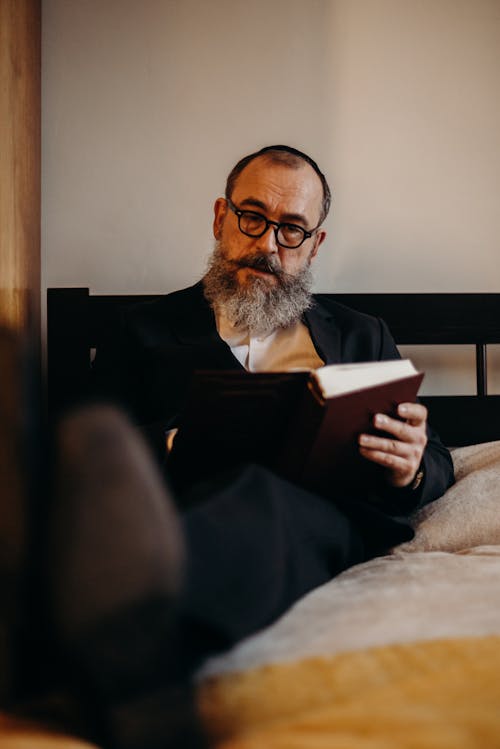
(257, 306)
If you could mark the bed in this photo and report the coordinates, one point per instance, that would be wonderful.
(401, 651)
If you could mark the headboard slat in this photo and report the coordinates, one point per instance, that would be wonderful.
(77, 322)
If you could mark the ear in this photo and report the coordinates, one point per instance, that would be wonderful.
(220, 210)
(319, 238)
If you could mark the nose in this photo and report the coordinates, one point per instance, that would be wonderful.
(267, 242)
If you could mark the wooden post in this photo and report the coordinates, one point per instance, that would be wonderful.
(20, 163)
(19, 306)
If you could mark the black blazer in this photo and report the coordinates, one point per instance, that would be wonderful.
(147, 363)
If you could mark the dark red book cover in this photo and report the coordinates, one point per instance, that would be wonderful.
(323, 439)
(279, 421)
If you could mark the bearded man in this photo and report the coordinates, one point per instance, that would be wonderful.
(253, 542)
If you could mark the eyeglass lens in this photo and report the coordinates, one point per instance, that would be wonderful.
(288, 235)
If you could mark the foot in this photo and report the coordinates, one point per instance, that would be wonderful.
(116, 560)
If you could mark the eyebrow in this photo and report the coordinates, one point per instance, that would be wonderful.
(285, 218)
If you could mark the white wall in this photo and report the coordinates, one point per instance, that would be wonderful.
(414, 147)
(147, 105)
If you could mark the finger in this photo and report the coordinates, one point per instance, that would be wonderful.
(400, 472)
(386, 445)
(412, 453)
(401, 429)
(414, 413)
(395, 463)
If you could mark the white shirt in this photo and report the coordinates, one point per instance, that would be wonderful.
(284, 349)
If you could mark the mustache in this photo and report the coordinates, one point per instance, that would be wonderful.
(266, 263)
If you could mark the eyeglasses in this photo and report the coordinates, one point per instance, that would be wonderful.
(289, 236)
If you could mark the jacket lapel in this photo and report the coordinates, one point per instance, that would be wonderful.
(324, 333)
(194, 327)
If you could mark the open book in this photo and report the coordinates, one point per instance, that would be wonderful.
(304, 425)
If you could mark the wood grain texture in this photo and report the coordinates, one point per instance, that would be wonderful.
(19, 163)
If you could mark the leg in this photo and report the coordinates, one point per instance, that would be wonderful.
(116, 559)
(258, 543)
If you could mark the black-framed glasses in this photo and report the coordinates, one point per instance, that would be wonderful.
(252, 224)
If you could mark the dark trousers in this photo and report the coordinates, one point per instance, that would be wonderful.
(257, 543)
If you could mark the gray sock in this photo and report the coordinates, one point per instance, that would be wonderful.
(115, 538)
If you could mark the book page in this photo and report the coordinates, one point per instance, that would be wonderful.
(335, 379)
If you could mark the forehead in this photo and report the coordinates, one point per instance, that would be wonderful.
(281, 188)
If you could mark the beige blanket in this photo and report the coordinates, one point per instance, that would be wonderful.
(399, 598)
(402, 652)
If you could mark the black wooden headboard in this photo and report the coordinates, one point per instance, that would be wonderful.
(77, 321)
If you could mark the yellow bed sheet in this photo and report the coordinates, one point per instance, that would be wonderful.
(440, 694)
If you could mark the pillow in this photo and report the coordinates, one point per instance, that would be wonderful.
(468, 514)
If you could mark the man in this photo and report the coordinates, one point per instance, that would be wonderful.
(253, 542)
(254, 309)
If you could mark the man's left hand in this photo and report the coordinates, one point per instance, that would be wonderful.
(402, 455)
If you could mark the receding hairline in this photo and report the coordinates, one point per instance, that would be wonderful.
(285, 156)
(281, 157)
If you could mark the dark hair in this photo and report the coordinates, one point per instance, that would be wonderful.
(284, 155)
